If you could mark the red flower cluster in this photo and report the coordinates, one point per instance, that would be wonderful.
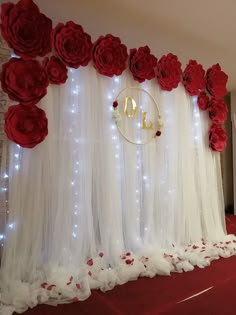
(109, 55)
(71, 44)
(25, 80)
(217, 138)
(26, 126)
(218, 111)
(216, 86)
(25, 29)
(142, 64)
(168, 72)
(194, 78)
(216, 81)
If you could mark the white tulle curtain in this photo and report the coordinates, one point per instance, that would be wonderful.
(87, 190)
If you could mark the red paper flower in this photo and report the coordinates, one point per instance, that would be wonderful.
(109, 55)
(203, 101)
(25, 29)
(217, 138)
(26, 126)
(218, 111)
(24, 81)
(115, 104)
(142, 64)
(168, 72)
(194, 78)
(216, 81)
(72, 45)
(56, 70)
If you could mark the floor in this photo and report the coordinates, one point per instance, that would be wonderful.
(203, 291)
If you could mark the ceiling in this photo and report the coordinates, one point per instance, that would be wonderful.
(202, 29)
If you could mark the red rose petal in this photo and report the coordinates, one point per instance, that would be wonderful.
(128, 261)
(75, 299)
(90, 262)
(50, 287)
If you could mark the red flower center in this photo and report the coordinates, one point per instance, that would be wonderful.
(26, 126)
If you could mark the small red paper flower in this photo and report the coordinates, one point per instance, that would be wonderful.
(24, 81)
(158, 133)
(168, 72)
(216, 81)
(142, 64)
(72, 45)
(101, 254)
(109, 55)
(56, 70)
(217, 138)
(194, 78)
(26, 126)
(203, 101)
(115, 104)
(90, 262)
(218, 111)
(25, 29)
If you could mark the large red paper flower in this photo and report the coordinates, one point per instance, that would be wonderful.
(109, 55)
(25, 29)
(217, 138)
(194, 78)
(218, 111)
(142, 64)
(24, 81)
(203, 101)
(56, 70)
(168, 72)
(72, 45)
(26, 126)
(216, 81)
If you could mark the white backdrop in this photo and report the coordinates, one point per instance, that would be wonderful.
(86, 190)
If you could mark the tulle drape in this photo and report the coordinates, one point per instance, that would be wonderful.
(87, 193)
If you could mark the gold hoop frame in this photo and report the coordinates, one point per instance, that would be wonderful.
(158, 113)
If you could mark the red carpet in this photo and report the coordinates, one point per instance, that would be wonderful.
(161, 295)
